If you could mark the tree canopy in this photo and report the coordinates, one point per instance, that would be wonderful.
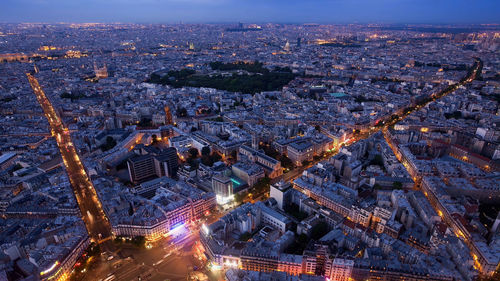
(263, 80)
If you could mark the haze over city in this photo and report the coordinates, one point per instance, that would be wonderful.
(278, 11)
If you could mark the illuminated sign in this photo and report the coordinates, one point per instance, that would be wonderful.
(176, 227)
(235, 181)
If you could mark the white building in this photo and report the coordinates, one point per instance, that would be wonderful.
(280, 192)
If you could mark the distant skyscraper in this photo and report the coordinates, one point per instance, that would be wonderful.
(299, 41)
(191, 46)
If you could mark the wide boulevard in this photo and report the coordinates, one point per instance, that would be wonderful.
(93, 215)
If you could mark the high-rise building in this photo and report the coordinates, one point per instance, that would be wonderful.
(141, 167)
(167, 163)
(281, 192)
(144, 167)
(223, 188)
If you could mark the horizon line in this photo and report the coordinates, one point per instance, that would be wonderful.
(257, 22)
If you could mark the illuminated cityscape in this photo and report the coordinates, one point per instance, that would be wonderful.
(278, 143)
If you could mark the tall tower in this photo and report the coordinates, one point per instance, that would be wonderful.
(255, 140)
(298, 42)
(168, 115)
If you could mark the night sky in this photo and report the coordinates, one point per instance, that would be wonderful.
(280, 11)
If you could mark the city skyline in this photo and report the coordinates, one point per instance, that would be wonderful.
(260, 11)
(327, 140)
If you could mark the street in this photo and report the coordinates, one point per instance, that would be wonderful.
(95, 220)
